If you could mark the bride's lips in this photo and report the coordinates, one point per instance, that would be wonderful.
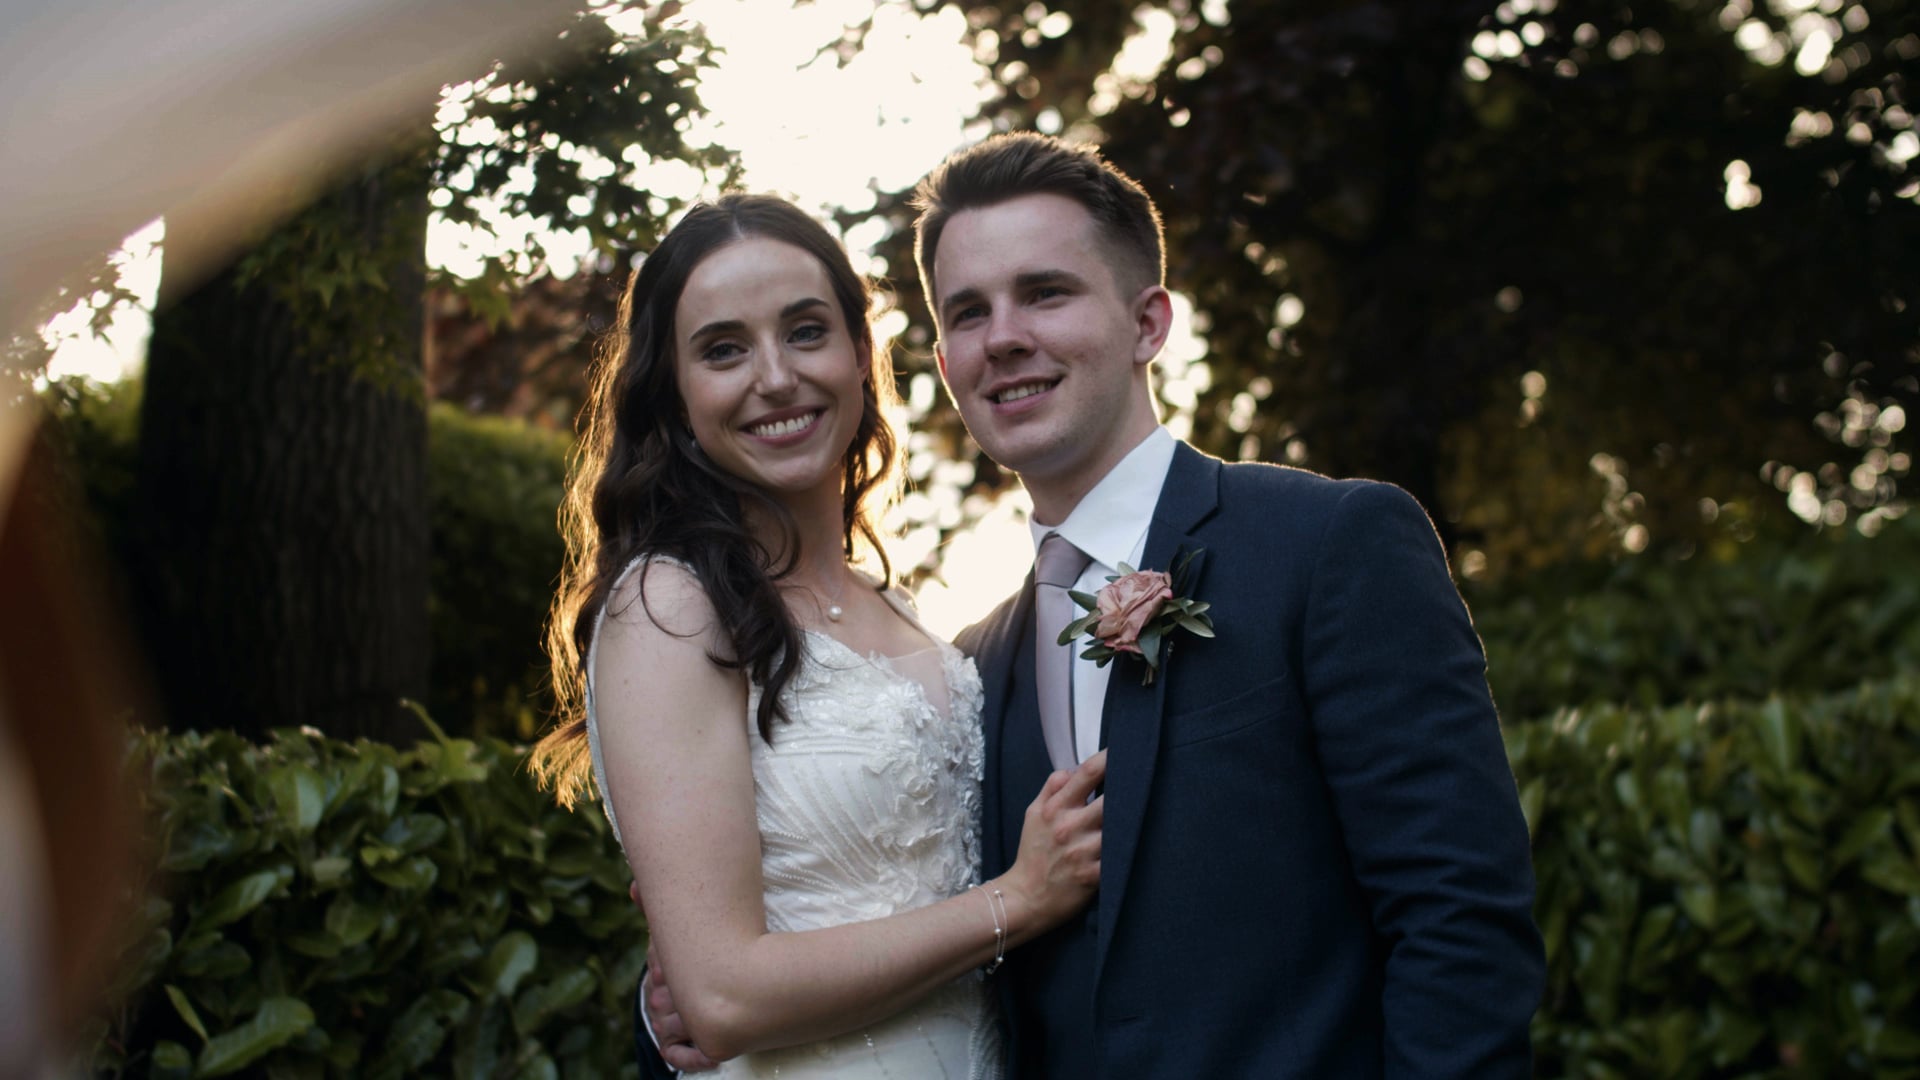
(786, 426)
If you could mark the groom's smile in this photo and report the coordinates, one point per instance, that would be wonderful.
(1024, 390)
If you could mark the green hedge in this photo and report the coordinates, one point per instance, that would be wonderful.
(1817, 614)
(1729, 890)
(495, 487)
(353, 910)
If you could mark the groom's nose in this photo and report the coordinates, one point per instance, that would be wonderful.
(1007, 336)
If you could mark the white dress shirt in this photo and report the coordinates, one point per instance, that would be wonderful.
(1110, 525)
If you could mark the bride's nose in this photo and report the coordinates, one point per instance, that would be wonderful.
(774, 373)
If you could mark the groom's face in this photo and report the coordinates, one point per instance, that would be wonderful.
(1042, 347)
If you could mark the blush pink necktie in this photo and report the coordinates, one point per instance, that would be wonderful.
(1058, 566)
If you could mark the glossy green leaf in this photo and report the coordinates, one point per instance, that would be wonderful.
(185, 1008)
(460, 762)
(539, 1067)
(171, 1061)
(329, 870)
(513, 957)
(1729, 1035)
(241, 897)
(277, 1021)
(1805, 866)
(418, 1033)
(299, 794)
(1871, 825)
(1893, 870)
(1194, 626)
(412, 874)
(217, 959)
(1779, 735)
(1533, 796)
(411, 833)
(1704, 834)
(533, 1007)
(351, 921)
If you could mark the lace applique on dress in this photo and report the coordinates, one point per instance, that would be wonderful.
(868, 803)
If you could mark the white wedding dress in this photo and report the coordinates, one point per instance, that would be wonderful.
(868, 803)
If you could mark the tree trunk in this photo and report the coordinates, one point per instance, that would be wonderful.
(281, 504)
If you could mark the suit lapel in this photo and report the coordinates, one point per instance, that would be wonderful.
(1001, 645)
(1131, 715)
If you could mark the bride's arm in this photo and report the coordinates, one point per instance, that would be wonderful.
(674, 735)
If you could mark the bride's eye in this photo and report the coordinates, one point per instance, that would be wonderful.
(720, 352)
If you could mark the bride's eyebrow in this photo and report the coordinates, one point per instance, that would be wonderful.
(734, 326)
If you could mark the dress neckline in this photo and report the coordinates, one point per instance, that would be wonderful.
(934, 644)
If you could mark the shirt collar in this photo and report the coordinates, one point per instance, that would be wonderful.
(1110, 520)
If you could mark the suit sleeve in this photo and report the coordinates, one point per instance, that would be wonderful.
(1411, 749)
(652, 1065)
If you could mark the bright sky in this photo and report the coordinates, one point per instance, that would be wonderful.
(823, 135)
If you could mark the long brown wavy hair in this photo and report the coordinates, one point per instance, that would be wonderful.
(640, 485)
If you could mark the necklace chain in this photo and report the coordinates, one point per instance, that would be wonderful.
(832, 607)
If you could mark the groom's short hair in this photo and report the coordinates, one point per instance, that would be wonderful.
(1026, 163)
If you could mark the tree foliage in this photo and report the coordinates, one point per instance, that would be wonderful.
(1582, 277)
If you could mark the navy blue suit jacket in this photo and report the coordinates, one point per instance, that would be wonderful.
(1314, 860)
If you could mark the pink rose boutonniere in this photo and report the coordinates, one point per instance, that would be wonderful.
(1133, 612)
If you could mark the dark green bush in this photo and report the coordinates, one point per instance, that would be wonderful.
(1817, 614)
(495, 487)
(354, 910)
(1731, 889)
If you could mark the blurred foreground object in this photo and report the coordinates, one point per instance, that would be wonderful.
(65, 835)
(114, 114)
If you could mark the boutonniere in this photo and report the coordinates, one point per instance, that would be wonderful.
(1133, 612)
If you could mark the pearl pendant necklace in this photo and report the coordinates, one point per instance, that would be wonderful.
(832, 603)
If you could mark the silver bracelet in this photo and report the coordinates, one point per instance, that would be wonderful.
(997, 907)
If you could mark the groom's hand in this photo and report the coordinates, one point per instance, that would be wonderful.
(670, 1035)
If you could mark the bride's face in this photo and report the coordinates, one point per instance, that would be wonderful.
(769, 371)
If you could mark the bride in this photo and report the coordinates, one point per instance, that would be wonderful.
(790, 761)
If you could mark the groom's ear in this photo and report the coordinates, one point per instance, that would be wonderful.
(1153, 321)
(940, 359)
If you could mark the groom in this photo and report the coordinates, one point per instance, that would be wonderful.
(1314, 861)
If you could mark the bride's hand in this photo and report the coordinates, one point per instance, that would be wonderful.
(1057, 869)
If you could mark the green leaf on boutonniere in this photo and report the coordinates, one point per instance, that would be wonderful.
(1193, 626)
(1176, 612)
